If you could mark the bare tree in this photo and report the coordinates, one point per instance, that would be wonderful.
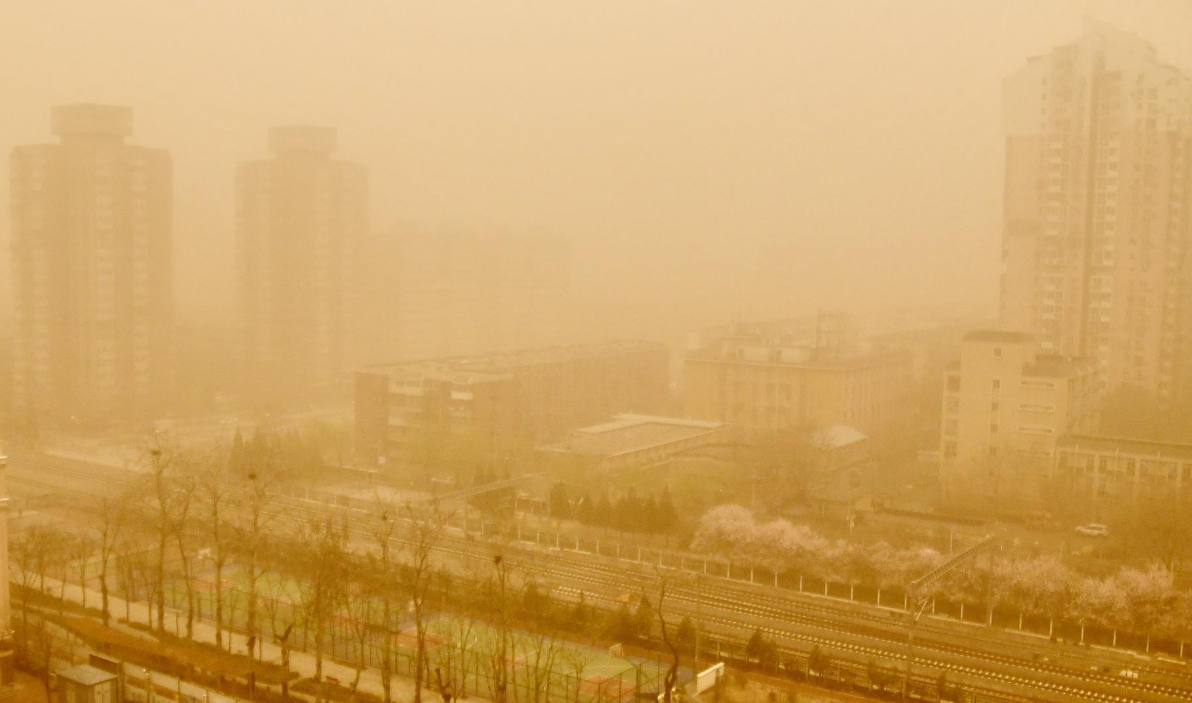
(160, 460)
(360, 610)
(214, 484)
(109, 526)
(320, 553)
(24, 548)
(422, 537)
(498, 597)
(258, 476)
(184, 487)
(383, 528)
(82, 547)
(671, 679)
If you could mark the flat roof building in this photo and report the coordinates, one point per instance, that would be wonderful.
(1006, 404)
(636, 440)
(498, 399)
(761, 383)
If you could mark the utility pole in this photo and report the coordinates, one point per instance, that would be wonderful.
(917, 601)
(699, 619)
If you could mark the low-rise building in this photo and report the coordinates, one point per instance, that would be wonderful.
(86, 684)
(504, 398)
(840, 456)
(1096, 467)
(762, 384)
(1007, 403)
(635, 440)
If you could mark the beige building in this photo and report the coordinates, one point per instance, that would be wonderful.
(1007, 404)
(499, 400)
(424, 296)
(298, 216)
(762, 383)
(1112, 468)
(92, 273)
(630, 441)
(1097, 241)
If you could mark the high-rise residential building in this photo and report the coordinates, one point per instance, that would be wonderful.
(428, 296)
(498, 400)
(1006, 404)
(1097, 240)
(92, 273)
(298, 216)
(769, 377)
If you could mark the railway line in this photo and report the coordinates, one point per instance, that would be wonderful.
(882, 643)
(736, 608)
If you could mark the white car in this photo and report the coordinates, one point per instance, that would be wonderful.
(1094, 529)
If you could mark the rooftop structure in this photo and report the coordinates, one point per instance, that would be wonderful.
(638, 434)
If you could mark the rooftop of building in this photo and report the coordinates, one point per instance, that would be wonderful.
(91, 120)
(837, 436)
(86, 675)
(501, 364)
(999, 336)
(629, 433)
(1126, 445)
(798, 356)
(302, 139)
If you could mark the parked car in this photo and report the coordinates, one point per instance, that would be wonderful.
(1094, 529)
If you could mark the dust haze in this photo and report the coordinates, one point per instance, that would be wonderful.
(380, 351)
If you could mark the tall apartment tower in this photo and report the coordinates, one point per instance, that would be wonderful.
(92, 273)
(1098, 210)
(298, 215)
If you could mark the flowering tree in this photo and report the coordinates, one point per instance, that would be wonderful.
(1038, 586)
(724, 531)
(1148, 595)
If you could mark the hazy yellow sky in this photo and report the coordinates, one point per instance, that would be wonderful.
(709, 158)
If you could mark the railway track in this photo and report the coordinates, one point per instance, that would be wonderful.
(889, 645)
(774, 613)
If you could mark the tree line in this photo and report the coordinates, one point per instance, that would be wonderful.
(1144, 601)
(628, 513)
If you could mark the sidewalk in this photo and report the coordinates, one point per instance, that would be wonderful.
(301, 662)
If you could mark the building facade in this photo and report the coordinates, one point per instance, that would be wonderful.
(298, 216)
(92, 273)
(1107, 468)
(1097, 239)
(1007, 404)
(423, 296)
(499, 399)
(629, 441)
(762, 384)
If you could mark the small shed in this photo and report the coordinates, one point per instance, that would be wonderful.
(86, 684)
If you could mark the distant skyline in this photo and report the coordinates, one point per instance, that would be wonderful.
(707, 159)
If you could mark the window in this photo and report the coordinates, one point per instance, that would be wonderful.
(997, 385)
(953, 384)
(1035, 430)
(997, 352)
